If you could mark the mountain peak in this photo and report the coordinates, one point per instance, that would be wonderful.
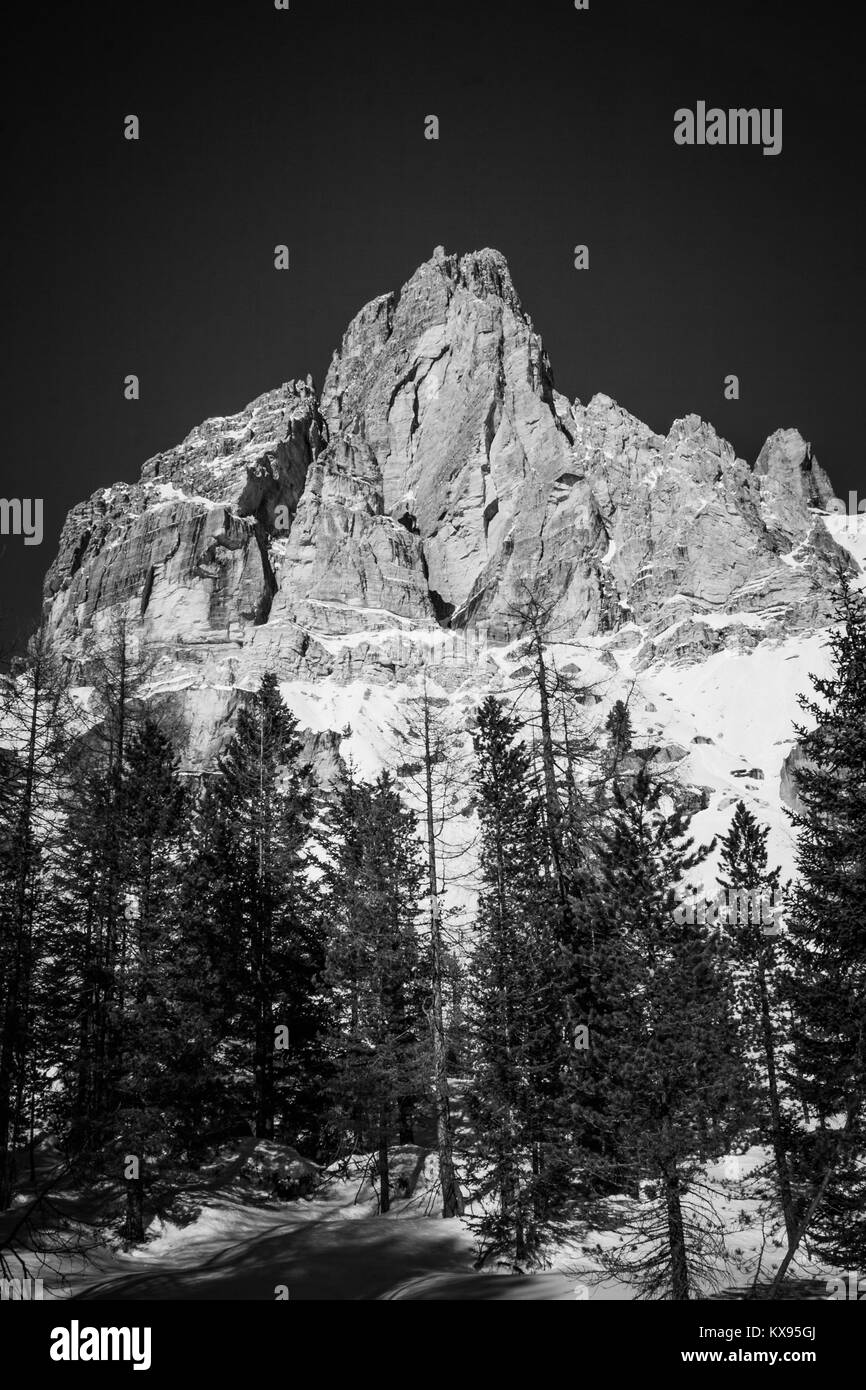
(484, 273)
(439, 472)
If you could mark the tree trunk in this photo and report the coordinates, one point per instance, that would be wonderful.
(384, 1174)
(510, 1179)
(537, 1169)
(778, 1140)
(264, 1071)
(676, 1229)
(452, 1201)
(802, 1229)
(554, 829)
(405, 1130)
(8, 1038)
(133, 1228)
(676, 1233)
(259, 1083)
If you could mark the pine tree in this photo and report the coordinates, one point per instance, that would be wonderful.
(534, 618)
(663, 1044)
(430, 767)
(553, 699)
(344, 907)
(199, 982)
(155, 815)
(118, 939)
(752, 947)
(618, 725)
(452, 1201)
(266, 807)
(826, 945)
(91, 922)
(523, 1162)
(375, 881)
(92, 897)
(37, 716)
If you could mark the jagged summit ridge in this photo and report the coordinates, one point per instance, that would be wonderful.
(439, 473)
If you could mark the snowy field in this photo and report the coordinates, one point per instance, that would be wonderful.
(333, 1245)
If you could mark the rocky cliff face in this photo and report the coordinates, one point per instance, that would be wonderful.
(339, 537)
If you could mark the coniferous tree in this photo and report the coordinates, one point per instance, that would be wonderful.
(752, 943)
(662, 1039)
(452, 1201)
(562, 744)
(523, 1165)
(37, 715)
(116, 1044)
(88, 928)
(265, 806)
(375, 970)
(549, 688)
(91, 916)
(155, 822)
(826, 947)
(618, 725)
(431, 771)
(345, 911)
(199, 988)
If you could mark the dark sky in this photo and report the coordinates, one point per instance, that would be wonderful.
(306, 127)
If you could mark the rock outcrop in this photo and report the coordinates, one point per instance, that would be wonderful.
(436, 477)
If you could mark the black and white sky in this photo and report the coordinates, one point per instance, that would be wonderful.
(306, 127)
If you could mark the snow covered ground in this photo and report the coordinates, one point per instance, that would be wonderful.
(334, 1246)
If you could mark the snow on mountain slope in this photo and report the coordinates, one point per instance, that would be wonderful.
(378, 535)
